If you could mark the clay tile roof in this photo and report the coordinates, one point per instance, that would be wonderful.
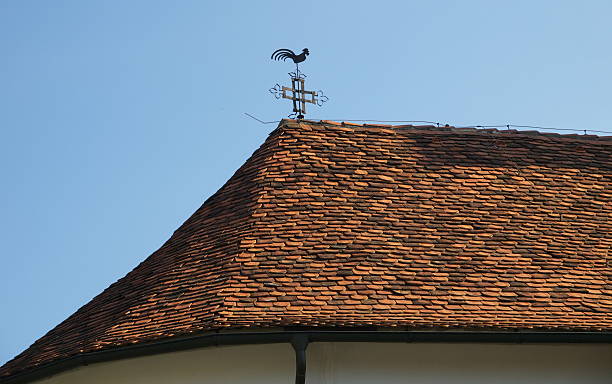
(336, 225)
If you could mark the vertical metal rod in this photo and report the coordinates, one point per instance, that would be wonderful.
(294, 95)
(302, 98)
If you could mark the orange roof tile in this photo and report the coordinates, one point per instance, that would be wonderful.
(346, 226)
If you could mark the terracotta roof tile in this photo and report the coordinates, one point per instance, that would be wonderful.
(330, 224)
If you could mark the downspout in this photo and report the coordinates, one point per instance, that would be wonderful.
(299, 343)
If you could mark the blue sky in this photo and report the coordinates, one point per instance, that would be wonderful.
(119, 118)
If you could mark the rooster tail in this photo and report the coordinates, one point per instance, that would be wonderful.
(282, 54)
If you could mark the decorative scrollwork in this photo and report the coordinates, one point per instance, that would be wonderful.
(321, 98)
(297, 75)
(277, 91)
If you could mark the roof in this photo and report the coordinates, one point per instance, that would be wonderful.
(348, 226)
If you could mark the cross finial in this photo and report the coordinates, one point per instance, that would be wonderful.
(296, 93)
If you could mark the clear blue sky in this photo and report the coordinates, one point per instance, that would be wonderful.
(119, 118)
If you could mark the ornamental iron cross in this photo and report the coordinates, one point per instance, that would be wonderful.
(297, 94)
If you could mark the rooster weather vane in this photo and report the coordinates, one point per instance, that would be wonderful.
(296, 93)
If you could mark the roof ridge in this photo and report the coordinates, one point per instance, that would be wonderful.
(253, 163)
(409, 128)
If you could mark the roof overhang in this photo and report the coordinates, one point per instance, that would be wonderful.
(212, 339)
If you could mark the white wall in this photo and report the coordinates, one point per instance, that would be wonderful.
(460, 363)
(357, 363)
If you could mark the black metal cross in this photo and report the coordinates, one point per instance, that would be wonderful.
(298, 95)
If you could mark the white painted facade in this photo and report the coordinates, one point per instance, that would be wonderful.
(360, 363)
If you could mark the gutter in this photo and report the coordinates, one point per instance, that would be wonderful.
(300, 339)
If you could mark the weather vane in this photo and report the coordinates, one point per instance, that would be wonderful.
(296, 93)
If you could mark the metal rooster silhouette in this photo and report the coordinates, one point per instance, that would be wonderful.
(284, 54)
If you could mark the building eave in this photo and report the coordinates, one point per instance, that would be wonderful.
(212, 339)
